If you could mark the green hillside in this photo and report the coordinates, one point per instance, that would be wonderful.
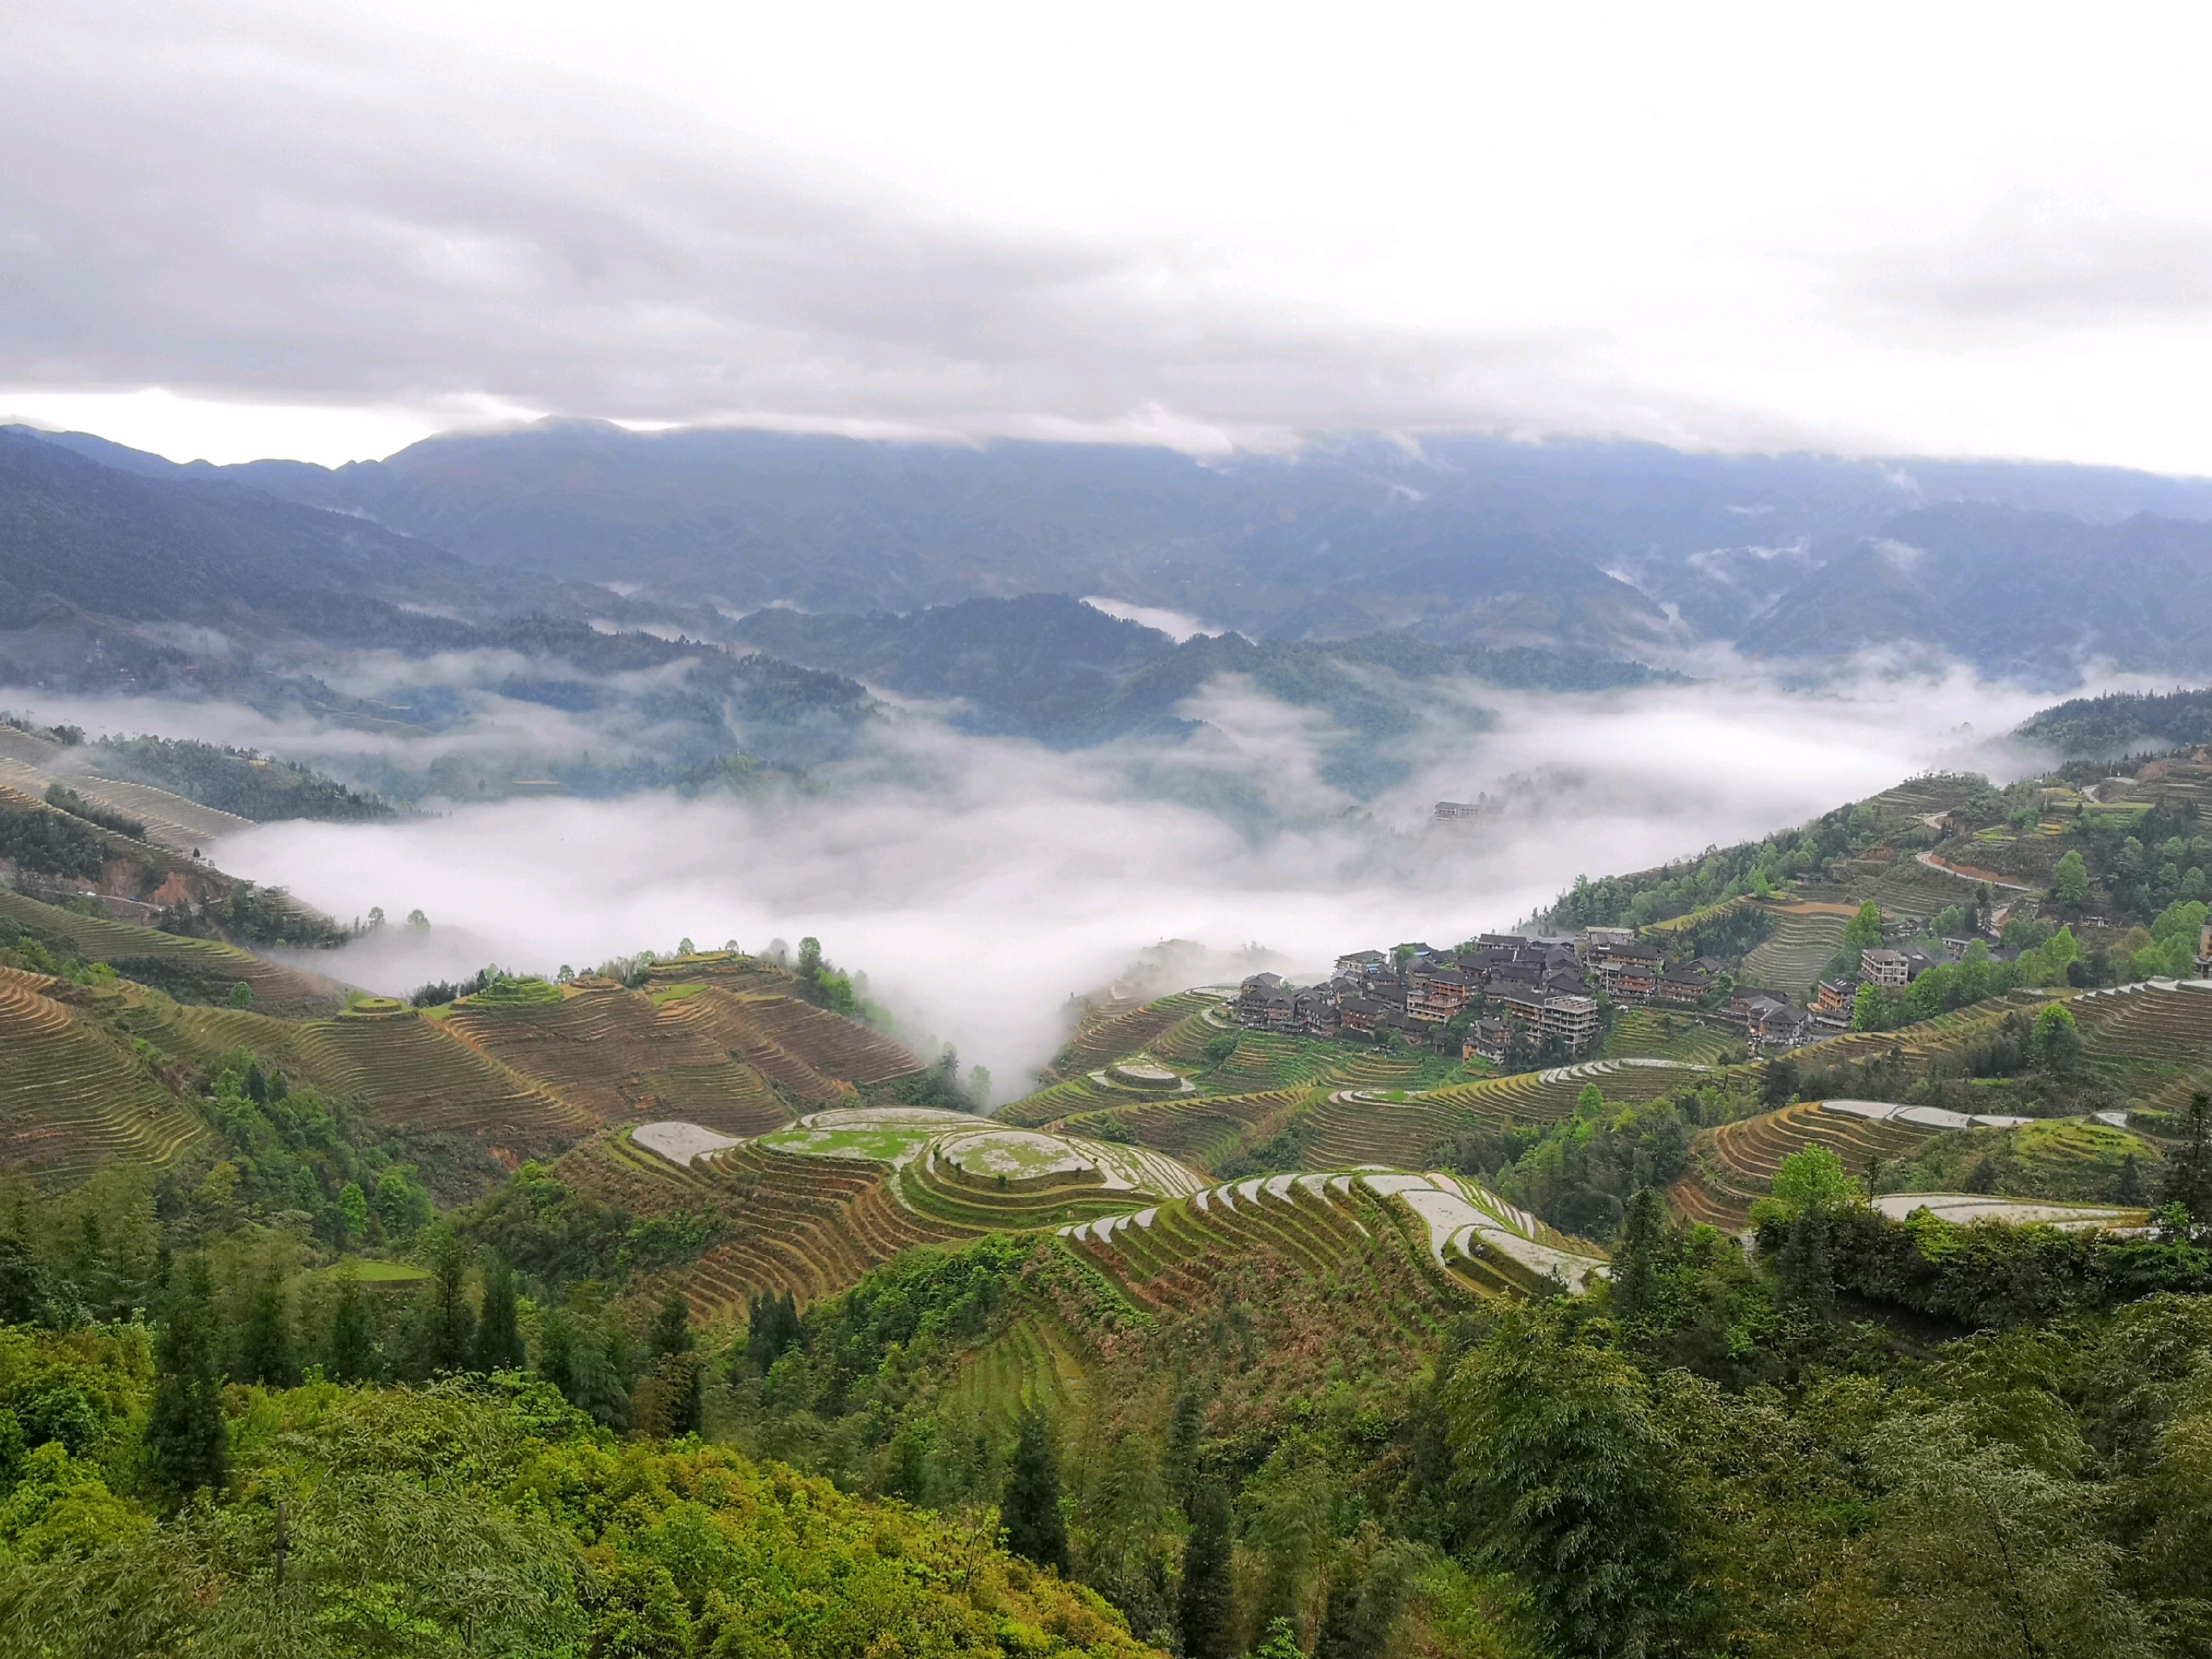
(670, 1313)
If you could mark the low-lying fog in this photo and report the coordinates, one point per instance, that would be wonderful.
(980, 884)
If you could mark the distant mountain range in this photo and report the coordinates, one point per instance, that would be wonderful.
(1613, 549)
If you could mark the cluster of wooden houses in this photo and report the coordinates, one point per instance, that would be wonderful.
(1538, 988)
(1538, 994)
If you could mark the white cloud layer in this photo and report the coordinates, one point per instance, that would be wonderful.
(980, 884)
(321, 229)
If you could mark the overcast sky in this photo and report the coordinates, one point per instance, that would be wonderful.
(235, 230)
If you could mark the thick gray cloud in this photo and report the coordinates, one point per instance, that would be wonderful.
(2030, 265)
(232, 204)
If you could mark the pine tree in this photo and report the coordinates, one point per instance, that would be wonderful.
(772, 1325)
(2189, 1172)
(579, 1355)
(1343, 1633)
(448, 1325)
(350, 1351)
(1571, 1483)
(22, 1287)
(1635, 1263)
(1208, 1587)
(1185, 1430)
(676, 1372)
(1808, 1283)
(1030, 1508)
(499, 1335)
(264, 1345)
(672, 1326)
(186, 1438)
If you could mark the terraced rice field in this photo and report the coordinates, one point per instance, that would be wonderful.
(1966, 1207)
(887, 1138)
(943, 1192)
(1119, 1035)
(1032, 1366)
(1945, 1034)
(614, 1054)
(71, 1096)
(1359, 1127)
(1334, 1227)
(200, 1037)
(1737, 1161)
(1263, 1060)
(2152, 1041)
(1661, 1034)
(1910, 888)
(1789, 959)
(811, 1226)
(1546, 1097)
(407, 1071)
(1205, 1132)
(198, 967)
(2071, 1157)
(1060, 1100)
(817, 1056)
(1690, 919)
(1184, 1043)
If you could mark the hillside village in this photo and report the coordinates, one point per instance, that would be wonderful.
(1519, 1002)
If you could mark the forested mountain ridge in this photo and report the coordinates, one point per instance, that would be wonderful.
(1051, 667)
(1616, 549)
(2122, 722)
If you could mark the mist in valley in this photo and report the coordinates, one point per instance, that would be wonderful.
(982, 883)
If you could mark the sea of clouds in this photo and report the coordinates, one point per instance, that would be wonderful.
(982, 883)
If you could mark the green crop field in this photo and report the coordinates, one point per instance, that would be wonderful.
(1789, 960)
(194, 970)
(883, 1146)
(1667, 1034)
(89, 1077)
(72, 1097)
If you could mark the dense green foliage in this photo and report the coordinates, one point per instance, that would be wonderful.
(494, 1519)
(2120, 722)
(63, 798)
(242, 781)
(52, 843)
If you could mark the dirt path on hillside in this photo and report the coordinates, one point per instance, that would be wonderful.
(1967, 873)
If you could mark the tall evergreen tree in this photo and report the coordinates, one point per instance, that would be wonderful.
(772, 1325)
(577, 1353)
(2189, 1172)
(1343, 1633)
(499, 1332)
(1570, 1477)
(1180, 1459)
(1208, 1589)
(352, 1350)
(22, 1287)
(676, 1367)
(1805, 1276)
(448, 1327)
(1635, 1263)
(265, 1342)
(672, 1326)
(1030, 1508)
(186, 1438)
